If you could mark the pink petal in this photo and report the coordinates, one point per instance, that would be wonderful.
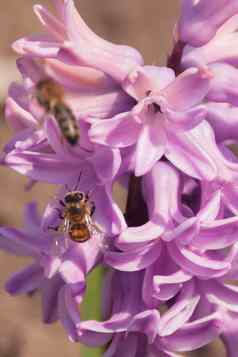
(188, 151)
(45, 167)
(152, 139)
(185, 120)
(108, 215)
(116, 60)
(163, 283)
(218, 234)
(134, 237)
(50, 22)
(107, 163)
(17, 117)
(101, 105)
(72, 273)
(211, 209)
(224, 120)
(93, 338)
(163, 204)
(120, 131)
(50, 290)
(120, 346)
(65, 303)
(37, 45)
(224, 296)
(30, 69)
(194, 335)
(147, 79)
(201, 20)
(136, 260)
(222, 87)
(184, 233)
(35, 140)
(187, 90)
(146, 322)
(80, 78)
(165, 353)
(230, 196)
(26, 280)
(22, 243)
(198, 265)
(219, 49)
(177, 316)
(229, 337)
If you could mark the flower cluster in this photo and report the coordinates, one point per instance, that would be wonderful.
(165, 133)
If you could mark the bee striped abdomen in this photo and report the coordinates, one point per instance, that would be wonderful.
(67, 123)
(79, 232)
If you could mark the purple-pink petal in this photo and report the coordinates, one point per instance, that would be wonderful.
(115, 60)
(152, 137)
(134, 260)
(194, 334)
(187, 90)
(120, 131)
(26, 280)
(200, 20)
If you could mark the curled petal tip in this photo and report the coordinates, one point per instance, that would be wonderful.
(37, 7)
(205, 73)
(133, 76)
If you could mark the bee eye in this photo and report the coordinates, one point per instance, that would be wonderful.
(80, 196)
(67, 199)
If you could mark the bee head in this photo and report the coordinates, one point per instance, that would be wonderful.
(73, 197)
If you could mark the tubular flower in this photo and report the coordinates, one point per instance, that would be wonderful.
(194, 242)
(165, 134)
(162, 121)
(131, 319)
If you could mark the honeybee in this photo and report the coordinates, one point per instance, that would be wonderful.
(76, 213)
(50, 95)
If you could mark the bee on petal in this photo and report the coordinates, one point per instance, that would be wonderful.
(76, 215)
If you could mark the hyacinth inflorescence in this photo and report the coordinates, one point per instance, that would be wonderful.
(164, 132)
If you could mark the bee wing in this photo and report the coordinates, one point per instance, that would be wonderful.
(65, 226)
(94, 228)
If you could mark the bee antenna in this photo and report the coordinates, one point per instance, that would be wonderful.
(78, 181)
(67, 187)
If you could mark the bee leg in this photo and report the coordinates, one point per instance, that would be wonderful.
(87, 196)
(59, 213)
(93, 208)
(62, 203)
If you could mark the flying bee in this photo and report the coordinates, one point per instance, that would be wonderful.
(76, 213)
(50, 95)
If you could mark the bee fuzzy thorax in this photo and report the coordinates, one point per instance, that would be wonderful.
(49, 93)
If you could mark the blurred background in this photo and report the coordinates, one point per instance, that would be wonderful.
(146, 25)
